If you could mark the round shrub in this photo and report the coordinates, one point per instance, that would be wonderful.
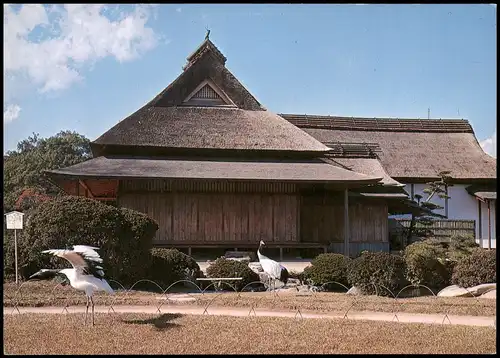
(295, 275)
(223, 267)
(170, 265)
(381, 269)
(123, 236)
(460, 247)
(326, 268)
(425, 265)
(477, 268)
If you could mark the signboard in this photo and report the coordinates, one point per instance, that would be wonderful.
(14, 220)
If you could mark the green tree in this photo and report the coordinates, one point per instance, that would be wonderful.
(23, 168)
(438, 187)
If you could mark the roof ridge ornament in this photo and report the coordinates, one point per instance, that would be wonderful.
(206, 46)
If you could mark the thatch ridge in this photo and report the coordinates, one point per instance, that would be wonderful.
(379, 124)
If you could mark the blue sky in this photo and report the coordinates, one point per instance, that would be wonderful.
(86, 67)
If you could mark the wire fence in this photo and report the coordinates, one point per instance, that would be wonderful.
(291, 301)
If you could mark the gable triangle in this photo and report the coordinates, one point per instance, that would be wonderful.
(208, 94)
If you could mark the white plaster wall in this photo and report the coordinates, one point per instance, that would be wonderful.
(484, 221)
(461, 206)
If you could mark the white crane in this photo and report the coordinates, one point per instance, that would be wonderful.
(86, 275)
(273, 269)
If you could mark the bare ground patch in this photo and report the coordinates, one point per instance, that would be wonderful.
(181, 334)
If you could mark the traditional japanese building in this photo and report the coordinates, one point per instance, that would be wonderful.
(214, 168)
(414, 151)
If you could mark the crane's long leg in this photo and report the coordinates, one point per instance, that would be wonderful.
(87, 310)
(92, 301)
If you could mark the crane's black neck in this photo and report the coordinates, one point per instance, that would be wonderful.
(260, 249)
(48, 274)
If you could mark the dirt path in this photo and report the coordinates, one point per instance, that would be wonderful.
(242, 312)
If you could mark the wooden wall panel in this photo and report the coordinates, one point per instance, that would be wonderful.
(285, 218)
(368, 222)
(158, 207)
(224, 217)
(322, 220)
(231, 217)
(205, 186)
(102, 187)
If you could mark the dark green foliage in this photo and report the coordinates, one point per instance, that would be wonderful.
(461, 246)
(477, 268)
(223, 267)
(123, 236)
(431, 262)
(384, 270)
(425, 265)
(170, 265)
(9, 251)
(440, 189)
(295, 274)
(326, 268)
(23, 167)
(8, 256)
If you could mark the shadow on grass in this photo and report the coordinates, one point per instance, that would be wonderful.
(162, 322)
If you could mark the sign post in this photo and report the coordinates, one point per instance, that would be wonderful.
(14, 221)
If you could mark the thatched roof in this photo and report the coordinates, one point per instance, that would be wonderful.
(410, 149)
(284, 170)
(483, 192)
(367, 166)
(232, 120)
(210, 128)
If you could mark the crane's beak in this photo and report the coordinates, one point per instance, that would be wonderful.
(44, 275)
(38, 275)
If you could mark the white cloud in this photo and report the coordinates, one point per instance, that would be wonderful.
(489, 145)
(11, 112)
(49, 46)
(179, 9)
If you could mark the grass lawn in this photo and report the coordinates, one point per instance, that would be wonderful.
(182, 334)
(43, 293)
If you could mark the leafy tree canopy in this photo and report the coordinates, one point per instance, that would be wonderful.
(438, 187)
(23, 168)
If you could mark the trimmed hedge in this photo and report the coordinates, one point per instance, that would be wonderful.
(223, 267)
(382, 269)
(460, 247)
(477, 268)
(170, 265)
(124, 236)
(425, 265)
(327, 268)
